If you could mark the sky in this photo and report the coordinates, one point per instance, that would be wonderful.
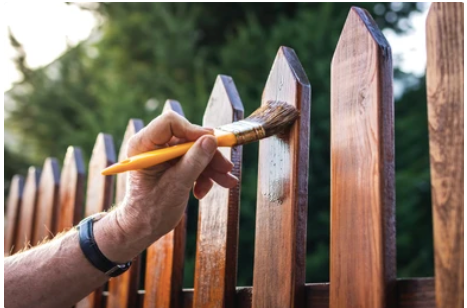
(43, 41)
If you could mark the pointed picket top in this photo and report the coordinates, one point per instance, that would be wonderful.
(100, 187)
(224, 105)
(173, 105)
(165, 258)
(28, 209)
(280, 239)
(362, 167)
(70, 210)
(217, 238)
(47, 201)
(134, 125)
(123, 290)
(287, 78)
(15, 197)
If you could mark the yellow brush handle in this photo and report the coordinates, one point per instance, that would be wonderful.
(155, 157)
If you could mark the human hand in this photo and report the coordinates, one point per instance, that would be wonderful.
(156, 197)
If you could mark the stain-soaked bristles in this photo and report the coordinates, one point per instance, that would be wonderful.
(270, 119)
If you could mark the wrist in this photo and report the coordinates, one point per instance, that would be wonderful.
(113, 242)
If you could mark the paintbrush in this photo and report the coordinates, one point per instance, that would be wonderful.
(270, 119)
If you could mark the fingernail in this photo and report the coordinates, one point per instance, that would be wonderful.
(209, 144)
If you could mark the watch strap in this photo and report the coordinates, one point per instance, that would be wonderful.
(92, 252)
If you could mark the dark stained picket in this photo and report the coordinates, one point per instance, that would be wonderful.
(123, 290)
(217, 238)
(70, 210)
(99, 195)
(165, 258)
(47, 201)
(15, 198)
(28, 210)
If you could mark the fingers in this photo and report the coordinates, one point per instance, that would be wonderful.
(226, 180)
(161, 130)
(192, 164)
(202, 186)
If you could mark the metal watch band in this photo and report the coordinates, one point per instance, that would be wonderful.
(93, 254)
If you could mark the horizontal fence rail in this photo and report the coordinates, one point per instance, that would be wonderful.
(362, 242)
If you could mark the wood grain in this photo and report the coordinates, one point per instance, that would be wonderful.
(14, 201)
(28, 209)
(280, 240)
(165, 257)
(70, 211)
(47, 201)
(445, 93)
(362, 258)
(99, 197)
(411, 293)
(217, 238)
(123, 290)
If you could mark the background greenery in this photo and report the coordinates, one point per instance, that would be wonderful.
(143, 53)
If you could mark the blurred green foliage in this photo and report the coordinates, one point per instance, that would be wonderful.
(144, 53)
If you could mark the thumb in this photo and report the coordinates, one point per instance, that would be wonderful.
(190, 166)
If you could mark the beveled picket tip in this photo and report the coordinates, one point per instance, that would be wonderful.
(100, 187)
(173, 105)
(359, 25)
(165, 258)
(70, 210)
(217, 238)
(282, 192)
(47, 202)
(15, 197)
(28, 209)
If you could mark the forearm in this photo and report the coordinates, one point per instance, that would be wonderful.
(57, 274)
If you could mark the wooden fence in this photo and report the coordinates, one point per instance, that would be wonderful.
(363, 254)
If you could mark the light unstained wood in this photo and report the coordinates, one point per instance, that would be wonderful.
(28, 209)
(282, 197)
(99, 197)
(70, 210)
(445, 93)
(165, 258)
(14, 201)
(217, 238)
(362, 256)
(47, 201)
(123, 290)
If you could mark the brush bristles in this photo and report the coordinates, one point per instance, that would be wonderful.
(274, 117)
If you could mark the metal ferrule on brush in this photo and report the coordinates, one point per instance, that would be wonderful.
(245, 131)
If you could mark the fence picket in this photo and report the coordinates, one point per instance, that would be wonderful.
(28, 209)
(47, 201)
(362, 259)
(280, 239)
(445, 91)
(98, 196)
(123, 290)
(15, 197)
(165, 257)
(217, 238)
(70, 210)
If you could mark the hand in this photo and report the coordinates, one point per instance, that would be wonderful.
(156, 197)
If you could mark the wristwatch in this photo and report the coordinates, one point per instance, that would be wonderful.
(92, 252)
